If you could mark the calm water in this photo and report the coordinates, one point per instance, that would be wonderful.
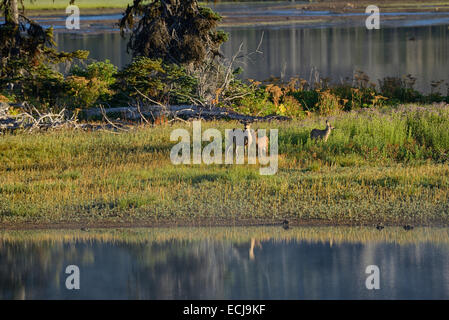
(293, 264)
(336, 52)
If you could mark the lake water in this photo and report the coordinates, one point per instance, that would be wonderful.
(336, 51)
(226, 263)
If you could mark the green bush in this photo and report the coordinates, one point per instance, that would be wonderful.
(43, 87)
(165, 83)
(399, 90)
(85, 87)
(250, 99)
(104, 71)
(308, 98)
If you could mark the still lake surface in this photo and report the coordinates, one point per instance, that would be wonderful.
(226, 263)
(335, 51)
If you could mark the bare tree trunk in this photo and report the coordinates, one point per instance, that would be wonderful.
(11, 11)
(15, 11)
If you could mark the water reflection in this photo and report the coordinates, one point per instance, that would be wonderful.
(335, 51)
(238, 263)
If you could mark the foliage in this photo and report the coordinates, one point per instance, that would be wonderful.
(328, 103)
(175, 31)
(86, 86)
(324, 98)
(400, 89)
(27, 53)
(248, 99)
(42, 87)
(104, 71)
(161, 82)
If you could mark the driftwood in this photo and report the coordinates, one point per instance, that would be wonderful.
(182, 112)
(30, 119)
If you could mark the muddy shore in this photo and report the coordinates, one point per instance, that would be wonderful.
(82, 225)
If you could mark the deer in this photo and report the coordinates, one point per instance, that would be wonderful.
(322, 134)
(248, 134)
(250, 138)
(261, 143)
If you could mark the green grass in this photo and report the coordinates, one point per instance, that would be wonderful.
(377, 167)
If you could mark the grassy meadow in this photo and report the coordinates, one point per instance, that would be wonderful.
(379, 166)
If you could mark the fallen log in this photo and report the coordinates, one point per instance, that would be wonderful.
(31, 119)
(184, 112)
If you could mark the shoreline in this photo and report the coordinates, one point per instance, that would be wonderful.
(279, 14)
(342, 6)
(198, 224)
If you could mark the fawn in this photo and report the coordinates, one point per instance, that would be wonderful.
(322, 134)
(261, 143)
(250, 138)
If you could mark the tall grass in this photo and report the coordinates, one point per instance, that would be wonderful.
(373, 136)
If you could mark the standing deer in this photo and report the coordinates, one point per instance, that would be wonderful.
(250, 137)
(322, 134)
(248, 134)
(247, 139)
(261, 143)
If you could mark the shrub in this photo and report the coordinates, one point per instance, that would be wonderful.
(83, 92)
(103, 71)
(290, 107)
(430, 129)
(307, 98)
(399, 90)
(87, 86)
(3, 98)
(165, 83)
(328, 103)
(251, 99)
(43, 87)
